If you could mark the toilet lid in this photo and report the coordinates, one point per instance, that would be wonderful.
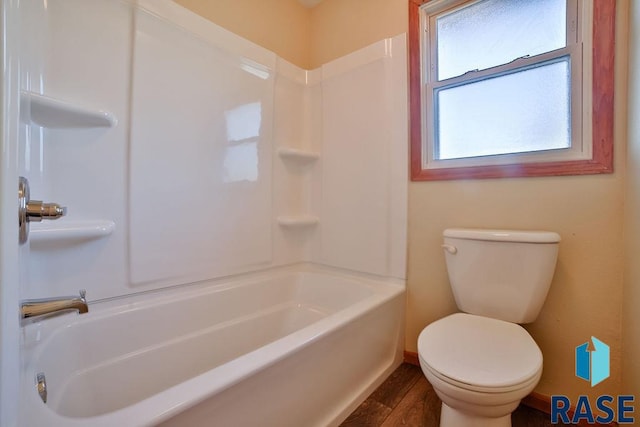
(480, 351)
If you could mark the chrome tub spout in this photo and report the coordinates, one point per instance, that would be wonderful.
(53, 306)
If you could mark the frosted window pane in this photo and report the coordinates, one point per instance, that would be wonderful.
(495, 32)
(515, 113)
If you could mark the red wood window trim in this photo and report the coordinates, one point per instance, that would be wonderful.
(602, 121)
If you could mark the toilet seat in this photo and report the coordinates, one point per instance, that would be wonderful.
(480, 354)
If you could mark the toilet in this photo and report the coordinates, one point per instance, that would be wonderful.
(481, 362)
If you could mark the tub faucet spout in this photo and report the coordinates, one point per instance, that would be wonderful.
(53, 306)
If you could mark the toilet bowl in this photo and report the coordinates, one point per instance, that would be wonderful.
(481, 362)
(479, 367)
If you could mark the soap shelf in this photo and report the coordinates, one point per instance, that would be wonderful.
(55, 113)
(298, 155)
(298, 220)
(71, 231)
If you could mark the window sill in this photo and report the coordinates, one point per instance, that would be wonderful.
(578, 167)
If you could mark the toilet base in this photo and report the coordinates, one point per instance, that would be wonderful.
(450, 417)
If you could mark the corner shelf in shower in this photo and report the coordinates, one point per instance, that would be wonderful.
(301, 156)
(71, 231)
(55, 113)
(297, 221)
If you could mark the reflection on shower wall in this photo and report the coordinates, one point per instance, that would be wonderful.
(243, 135)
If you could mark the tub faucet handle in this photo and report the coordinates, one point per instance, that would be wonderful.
(33, 210)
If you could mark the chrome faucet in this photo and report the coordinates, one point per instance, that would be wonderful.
(53, 306)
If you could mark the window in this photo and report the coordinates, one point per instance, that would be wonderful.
(505, 88)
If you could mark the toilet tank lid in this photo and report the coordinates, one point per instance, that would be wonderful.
(503, 235)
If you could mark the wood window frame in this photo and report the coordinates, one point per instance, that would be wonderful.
(602, 110)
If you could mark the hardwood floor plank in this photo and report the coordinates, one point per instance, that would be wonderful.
(432, 407)
(391, 392)
(525, 416)
(406, 399)
(419, 408)
(369, 413)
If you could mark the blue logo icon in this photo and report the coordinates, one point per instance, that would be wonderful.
(592, 364)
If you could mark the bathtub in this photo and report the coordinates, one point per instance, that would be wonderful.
(298, 346)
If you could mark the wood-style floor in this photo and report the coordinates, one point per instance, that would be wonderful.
(407, 399)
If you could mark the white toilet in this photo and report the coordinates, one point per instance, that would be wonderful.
(481, 363)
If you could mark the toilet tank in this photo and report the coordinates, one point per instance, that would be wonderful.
(502, 274)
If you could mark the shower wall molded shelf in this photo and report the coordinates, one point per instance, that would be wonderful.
(71, 231)
(301, 156)
(55, 113)
(297, 221)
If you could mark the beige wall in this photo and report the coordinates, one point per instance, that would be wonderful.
(339, 27)
(631, 311)
(282, 26)
(307, 37)
(586, 297)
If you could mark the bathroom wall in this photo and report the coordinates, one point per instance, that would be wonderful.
(219, 157)
(186, 194)
(212, 165)
(340, 27)
(282, 26)
(81, 167)
(631, 308)
(364, 169)
(349, 112)
(586, 295)
(307, 37)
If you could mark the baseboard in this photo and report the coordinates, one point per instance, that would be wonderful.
(534, 400)
(538, 401)
(411, 358)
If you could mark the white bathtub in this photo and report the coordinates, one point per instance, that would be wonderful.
(287, 347)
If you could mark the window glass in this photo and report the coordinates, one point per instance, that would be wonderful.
(520, 112)
(549, 114)
(495, 32)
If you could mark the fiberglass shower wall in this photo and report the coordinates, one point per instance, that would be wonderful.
(185, 153)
